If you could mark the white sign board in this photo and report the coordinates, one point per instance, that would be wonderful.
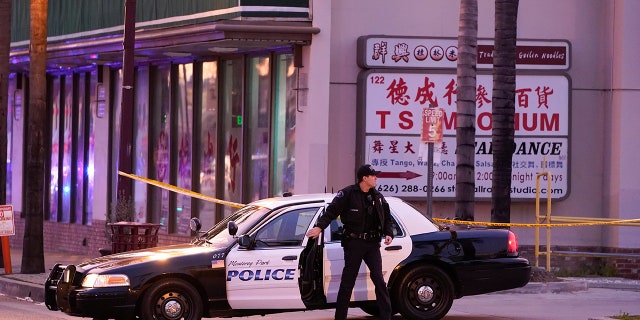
(442, 53)
(7, 226)
(393, 103)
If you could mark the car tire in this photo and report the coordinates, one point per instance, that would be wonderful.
(424, 292)
(171, 299)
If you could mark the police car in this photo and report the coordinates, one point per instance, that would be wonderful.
(258, 261)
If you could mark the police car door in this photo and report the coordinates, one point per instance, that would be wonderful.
(264, 275)
(363, 290)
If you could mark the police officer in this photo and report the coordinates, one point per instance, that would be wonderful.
(366, 218)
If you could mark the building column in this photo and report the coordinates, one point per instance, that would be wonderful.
(312, 119)
(624, 149)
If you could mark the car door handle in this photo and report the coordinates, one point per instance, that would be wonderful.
(393, 248)
(287, 258)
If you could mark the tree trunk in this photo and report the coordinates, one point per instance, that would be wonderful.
(5, 47)
(33, 253)
(466, 109)
(503, 107)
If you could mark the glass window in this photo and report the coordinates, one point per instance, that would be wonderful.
(141, 136)
(209, 136)
(184, 102)
(231, 126)
(287, 229)
(55, 149)
(159, 120)
(114, 131)
(89, 144)
(78, 116)
(284, 125)
(257, 110)
(15, 110)
(65, 149)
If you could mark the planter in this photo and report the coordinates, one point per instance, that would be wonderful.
(127, 236)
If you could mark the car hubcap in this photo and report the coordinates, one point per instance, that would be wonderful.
(172, 309)
(172, 305)
(425, 294)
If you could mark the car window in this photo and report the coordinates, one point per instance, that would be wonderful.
(245, 218)
(335, 229)
(287, 229)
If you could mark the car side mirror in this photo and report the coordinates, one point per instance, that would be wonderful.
(232, 227)
(244, 241)
(195, 225)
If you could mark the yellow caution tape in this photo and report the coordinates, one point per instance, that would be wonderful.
(179, 190)
(536, 225)
(440, 220)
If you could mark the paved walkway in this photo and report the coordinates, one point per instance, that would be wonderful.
(32, 285)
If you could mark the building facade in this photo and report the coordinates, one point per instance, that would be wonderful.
(240, 100)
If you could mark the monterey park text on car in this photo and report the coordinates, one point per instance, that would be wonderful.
(259, 261)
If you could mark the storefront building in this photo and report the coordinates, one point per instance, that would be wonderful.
(240, 100)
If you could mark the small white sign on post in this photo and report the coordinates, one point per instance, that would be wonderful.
(7, 226)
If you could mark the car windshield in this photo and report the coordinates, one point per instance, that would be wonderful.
(245, 218)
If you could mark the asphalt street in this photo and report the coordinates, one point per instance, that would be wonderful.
(573, 298)
(589, 304)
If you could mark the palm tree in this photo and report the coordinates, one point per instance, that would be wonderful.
(5, 46)
(33, 253)
(503, 108)
(466, 109)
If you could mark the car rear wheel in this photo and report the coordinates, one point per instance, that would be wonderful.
(425, 292)
(171, 299)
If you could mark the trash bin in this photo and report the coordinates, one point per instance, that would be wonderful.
(127, 236)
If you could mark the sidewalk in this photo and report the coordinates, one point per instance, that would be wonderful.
(32, 285)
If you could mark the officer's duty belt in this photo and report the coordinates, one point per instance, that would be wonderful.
(365, 235)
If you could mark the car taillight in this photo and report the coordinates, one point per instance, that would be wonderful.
(512, 247)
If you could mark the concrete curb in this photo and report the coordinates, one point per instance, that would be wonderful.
(21, 289)
(551, 287)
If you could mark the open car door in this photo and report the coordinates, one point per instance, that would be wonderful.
(312, 274)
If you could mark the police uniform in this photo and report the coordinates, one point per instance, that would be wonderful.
(366, 220)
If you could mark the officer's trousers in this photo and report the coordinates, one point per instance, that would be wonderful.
(356, 251)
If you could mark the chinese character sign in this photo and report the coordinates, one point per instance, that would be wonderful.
(404, 110)
(442, 53)
(404, 172)
(394, 103)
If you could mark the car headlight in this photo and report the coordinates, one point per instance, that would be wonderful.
(105, 280)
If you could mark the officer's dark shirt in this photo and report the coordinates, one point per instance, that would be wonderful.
(371, 221)
(360, 212)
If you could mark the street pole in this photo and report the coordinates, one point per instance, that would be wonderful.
(431, 133)
(430, 180)
(125, 186)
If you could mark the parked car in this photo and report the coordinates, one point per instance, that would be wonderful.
(258, 261)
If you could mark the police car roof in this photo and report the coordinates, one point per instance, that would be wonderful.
(298, 198)
(285, 200)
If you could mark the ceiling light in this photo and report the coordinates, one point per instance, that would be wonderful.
(223, 49)
(177, 54)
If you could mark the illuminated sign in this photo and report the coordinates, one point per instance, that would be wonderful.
(393, 105)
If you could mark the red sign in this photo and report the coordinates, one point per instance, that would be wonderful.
(7, 226)
(432, 125)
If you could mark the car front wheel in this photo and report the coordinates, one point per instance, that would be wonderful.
(425, 292)
(171, 300)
